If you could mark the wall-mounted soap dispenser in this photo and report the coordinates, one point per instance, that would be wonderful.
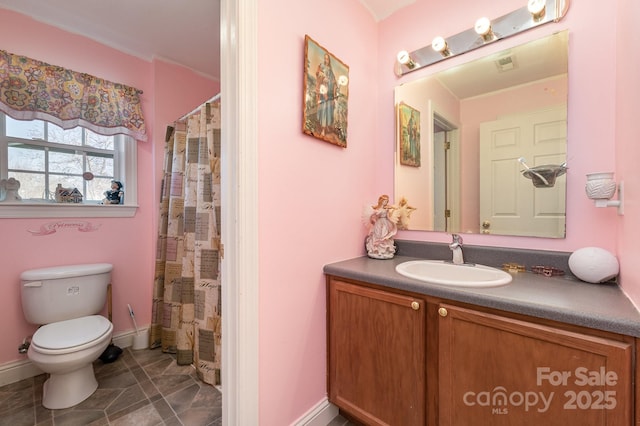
(601, 187)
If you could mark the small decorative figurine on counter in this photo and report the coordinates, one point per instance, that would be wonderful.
(115, 195)
(383, 221)
(9, 190)
(382, 228)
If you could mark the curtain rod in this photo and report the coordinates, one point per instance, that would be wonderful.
(215, 97)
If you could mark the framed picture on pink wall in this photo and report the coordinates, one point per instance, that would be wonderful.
(408, 123)
(326, 94)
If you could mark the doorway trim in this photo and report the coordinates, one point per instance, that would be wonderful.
(239, 194)
(453, 166)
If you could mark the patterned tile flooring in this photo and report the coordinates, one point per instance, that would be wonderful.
(143, 387)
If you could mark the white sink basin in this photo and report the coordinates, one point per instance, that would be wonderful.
(446, 273)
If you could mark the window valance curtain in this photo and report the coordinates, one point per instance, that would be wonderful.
(31, 89)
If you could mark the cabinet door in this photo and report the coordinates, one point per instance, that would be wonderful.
(495, 370)
(377, 355)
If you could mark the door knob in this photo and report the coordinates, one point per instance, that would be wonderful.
(443, 312)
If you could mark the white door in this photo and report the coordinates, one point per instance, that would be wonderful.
(509, 203)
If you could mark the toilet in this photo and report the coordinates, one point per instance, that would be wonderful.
(66, 301)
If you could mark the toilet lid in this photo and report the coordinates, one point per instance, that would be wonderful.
(70, 333)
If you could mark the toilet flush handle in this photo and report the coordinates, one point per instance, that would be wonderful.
(33, 284)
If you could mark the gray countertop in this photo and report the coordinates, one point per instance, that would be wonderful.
(599, 306)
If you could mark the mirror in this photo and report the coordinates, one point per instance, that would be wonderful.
(466, 137)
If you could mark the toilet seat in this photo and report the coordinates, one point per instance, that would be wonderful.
(70, 335)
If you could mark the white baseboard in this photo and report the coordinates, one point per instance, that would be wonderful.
(125, 338)
(320, 415)
(15, 371)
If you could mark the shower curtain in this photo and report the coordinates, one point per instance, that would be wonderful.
(187, 295)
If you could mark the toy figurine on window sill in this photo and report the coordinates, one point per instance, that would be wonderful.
(115, 195)
(9, 190)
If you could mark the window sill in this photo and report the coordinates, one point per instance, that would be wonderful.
(52, 210)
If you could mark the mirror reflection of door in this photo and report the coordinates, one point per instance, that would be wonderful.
(444, 192)
(523, 78)
(508, 201)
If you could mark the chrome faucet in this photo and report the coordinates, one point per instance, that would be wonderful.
(456, 248)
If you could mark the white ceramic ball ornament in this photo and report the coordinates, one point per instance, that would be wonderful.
(593, 264)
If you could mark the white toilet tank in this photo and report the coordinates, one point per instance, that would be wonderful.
(64, 292)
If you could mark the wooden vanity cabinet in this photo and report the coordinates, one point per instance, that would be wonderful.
(505, 371)
(376, 354)
(395, 358)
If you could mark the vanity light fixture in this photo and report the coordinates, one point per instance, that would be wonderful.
(439, 44)
(531, 15)
(484, 30)
(537, 9)
(405, 59)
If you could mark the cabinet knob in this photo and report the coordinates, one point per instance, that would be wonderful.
(415, 305)
(443, 312)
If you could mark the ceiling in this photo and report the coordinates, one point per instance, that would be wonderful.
(186, 33)
(380, 9)
(532, 61)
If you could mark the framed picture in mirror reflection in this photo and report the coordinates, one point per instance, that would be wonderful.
(326, 94)
(409, 135)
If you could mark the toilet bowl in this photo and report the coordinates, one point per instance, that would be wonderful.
(66, 350)
(66, 301)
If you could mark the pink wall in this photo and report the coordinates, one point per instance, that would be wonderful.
(627, 131)
(128, 243)
(311, 193)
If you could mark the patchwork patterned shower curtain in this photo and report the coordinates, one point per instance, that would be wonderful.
(187, 294)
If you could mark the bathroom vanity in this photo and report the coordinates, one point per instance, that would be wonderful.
(541, 350)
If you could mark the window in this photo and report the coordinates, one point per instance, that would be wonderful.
(43, 157)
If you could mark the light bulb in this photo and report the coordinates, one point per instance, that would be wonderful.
(405, 59)
(483, 26)
(439, 44)
(536, 8)
(484, 30)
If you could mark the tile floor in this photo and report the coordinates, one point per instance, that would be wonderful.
(143, 387)
(340, 421)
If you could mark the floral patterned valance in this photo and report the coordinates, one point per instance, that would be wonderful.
(31, 89)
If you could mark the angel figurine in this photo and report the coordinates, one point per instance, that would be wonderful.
(9, 190)
(404, 213)
(382, 222)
